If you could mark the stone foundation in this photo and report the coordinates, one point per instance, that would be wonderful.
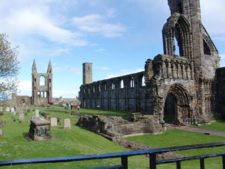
(113, 127)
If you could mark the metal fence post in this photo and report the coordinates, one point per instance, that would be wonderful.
(223, 160)
(202, 163)
(124, 162)
(152, 161)
(178, 165)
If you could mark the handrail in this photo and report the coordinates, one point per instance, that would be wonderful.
(124, 156)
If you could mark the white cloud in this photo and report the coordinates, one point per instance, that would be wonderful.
(213, 16)
(96, 23)
(24, 87)
(34, 22)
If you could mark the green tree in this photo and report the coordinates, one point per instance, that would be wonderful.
(8, 65)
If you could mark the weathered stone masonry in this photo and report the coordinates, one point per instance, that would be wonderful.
(41, 86)
(125, 93)
(179, 84)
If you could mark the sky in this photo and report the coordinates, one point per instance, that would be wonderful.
(116, 36)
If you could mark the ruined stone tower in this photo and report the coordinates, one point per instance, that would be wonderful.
(41, 86)
(87, 73)
(179, 85)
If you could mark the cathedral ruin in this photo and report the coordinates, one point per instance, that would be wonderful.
(41, 86)
(181, 85)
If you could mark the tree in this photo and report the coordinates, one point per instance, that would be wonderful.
(8, 65)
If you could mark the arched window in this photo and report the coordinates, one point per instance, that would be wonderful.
(206, 48)
(143, 81)
(132, 83)
(99, 88)
(113, 86)
(42, 81)
(121, 84)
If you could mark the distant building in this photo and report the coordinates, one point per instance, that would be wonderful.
(41, 86)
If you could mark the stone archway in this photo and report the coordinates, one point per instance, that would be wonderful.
(177, 105)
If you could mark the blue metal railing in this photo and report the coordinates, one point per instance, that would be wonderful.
(152, 154)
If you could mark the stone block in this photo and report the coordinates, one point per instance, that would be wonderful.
(54, 122)
(67, 123)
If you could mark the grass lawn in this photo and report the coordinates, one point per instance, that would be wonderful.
(215, 126)
(69, 142)
(175, 137)
(77, 141)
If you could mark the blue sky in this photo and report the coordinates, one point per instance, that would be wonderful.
(116, 36)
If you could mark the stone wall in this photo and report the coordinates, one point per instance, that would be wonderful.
(220, 92)
(124, 93)
(179, 83)
(113, 127)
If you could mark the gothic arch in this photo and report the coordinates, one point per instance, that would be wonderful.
(177, 104)
(178, 27)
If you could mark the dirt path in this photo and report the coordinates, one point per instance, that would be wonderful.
(199, 130)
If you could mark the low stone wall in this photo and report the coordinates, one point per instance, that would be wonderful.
(112, 127)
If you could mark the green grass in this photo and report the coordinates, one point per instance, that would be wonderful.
(215, 126)
(174, 137)
(64, 142)
(77, 141)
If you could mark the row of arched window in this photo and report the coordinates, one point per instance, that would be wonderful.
(113, 85)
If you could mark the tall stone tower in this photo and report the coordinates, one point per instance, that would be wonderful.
(182, 81)
(41, 86)
(87, 73)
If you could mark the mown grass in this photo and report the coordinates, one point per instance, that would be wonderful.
(64, 142)
(215, 126)
(174, 137)
(77, 141)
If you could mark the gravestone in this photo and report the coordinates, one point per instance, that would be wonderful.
(1, 132)
(7, 109)
(1, 110)
(54, 122)
(39, 129)
(67, 123)
(37, 114)
(21, 116)
(12, 110)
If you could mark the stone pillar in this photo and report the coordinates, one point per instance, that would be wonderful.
(87, 73)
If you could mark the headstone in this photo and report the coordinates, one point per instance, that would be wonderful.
(67, 123)
(39, 129)
(21, 116)
(37, 113)
(1, 110)
(12, 110)
(7, 109)
(54, 122)
(1, 132)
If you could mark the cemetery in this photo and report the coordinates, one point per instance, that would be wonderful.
(67, 139)
(176, 100)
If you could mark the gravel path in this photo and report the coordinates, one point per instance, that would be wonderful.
(203, 131)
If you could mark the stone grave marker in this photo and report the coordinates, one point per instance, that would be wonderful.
(37, 114)
(54, 122)
(7, 109)
(21, 116)
(39, 129)
(1, 132)
(1, 110)
(67, 123)
(12, 110)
